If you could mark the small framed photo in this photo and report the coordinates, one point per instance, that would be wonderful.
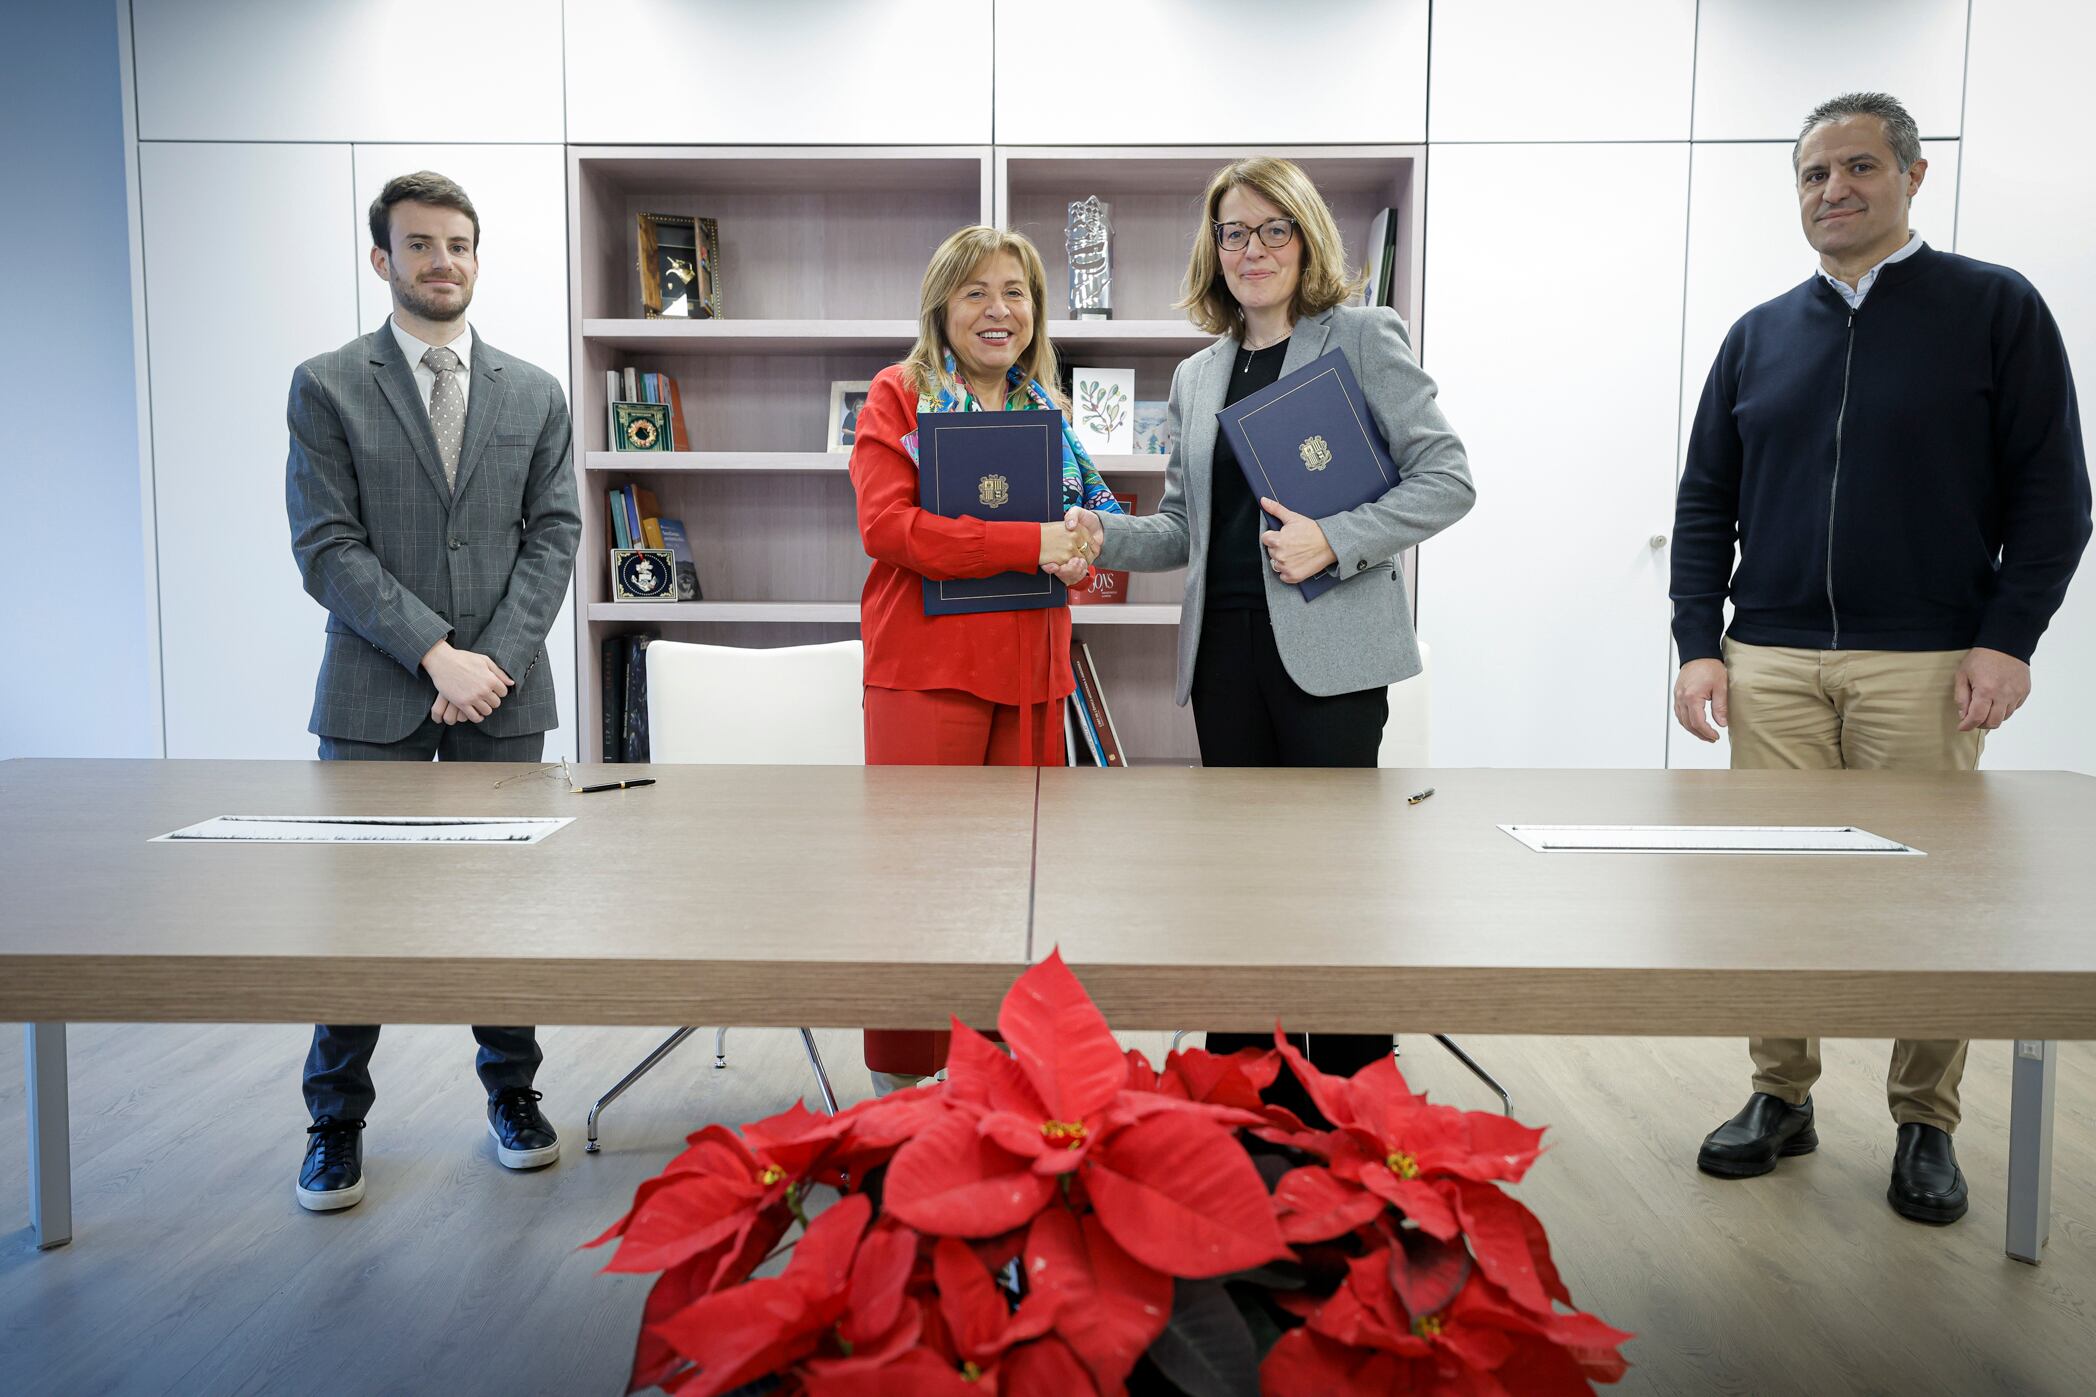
(679, 266)
(643, 574)
(845, 401)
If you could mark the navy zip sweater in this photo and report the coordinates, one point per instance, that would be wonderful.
(1906, 476)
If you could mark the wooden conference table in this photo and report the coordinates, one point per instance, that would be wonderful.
(891, 897)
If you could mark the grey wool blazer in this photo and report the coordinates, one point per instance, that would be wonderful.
(1358, 635)
(401, 562)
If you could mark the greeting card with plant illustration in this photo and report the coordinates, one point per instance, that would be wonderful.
(1103, 410)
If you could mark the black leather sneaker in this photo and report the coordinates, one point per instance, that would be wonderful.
(1766, 1129)
(524, 1138)
(1927, 1185)
(332, 1178)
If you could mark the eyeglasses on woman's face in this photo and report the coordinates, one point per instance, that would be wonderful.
(1236, 237)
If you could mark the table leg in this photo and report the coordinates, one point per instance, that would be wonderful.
(2030, 1147)
(50, 1137)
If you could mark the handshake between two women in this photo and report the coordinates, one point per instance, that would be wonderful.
(1069, 548)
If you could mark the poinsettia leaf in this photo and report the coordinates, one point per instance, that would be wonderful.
(740, 1333)
(879, 1274)
(1492, 1223)
(950, 1182)
(1307, 1364)
(1180, 1195)
(1426, 1272)
(821, 1261)
(1047, 1365)
(918, 1373)
(1206, 1347)
(1328, 1094)
(1108, 1306)
(973, 1305)
(1420, 1201)
(1315, 1205)
(1539, 1251)
(979, 1073)
(691, 1213)
(1059, 1037)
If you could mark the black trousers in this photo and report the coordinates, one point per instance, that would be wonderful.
(338, 1065)
(1248, 712)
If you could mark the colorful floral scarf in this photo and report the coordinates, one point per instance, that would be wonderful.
(1081, 482)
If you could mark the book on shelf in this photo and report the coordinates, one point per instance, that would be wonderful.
(679, 543)
(633, 745)
(1086, 728)
(615, 511)
(651, 530)
(625, 387)
(1105, 738)
(1073, 752)
(611, 656)
(1379, 259)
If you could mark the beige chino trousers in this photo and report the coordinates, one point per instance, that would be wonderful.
(1852, 710)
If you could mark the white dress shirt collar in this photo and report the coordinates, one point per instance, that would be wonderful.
(413, 349)
(1869, 278)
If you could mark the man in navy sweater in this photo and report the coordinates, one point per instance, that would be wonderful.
(1894, 447)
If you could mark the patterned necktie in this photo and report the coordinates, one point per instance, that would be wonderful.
(447, 410)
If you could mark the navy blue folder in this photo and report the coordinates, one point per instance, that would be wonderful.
(992, 465)
(1309, 442)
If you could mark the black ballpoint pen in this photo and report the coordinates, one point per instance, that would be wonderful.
(614, 786)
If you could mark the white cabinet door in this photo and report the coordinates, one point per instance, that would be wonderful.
(250, 270)
(1553, 283)
(786, 72)
(347, 70)
(1543, 70)
(2029, 75)
(520, 303)
(1210, 72)
(1745, 246)
(1762, 64)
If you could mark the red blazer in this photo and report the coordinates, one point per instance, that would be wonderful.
(1008, 657)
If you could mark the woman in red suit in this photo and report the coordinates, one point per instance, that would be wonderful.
(973, 690)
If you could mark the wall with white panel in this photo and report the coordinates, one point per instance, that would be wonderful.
(1210, 72)
(520, 304)
(371, 70)
(2027, 119)
(1607, 189)
(1556, 311)
(1545, 70)
(1746, 245)
(250, 270)
(76, 642)
(1762, 64)
(788, 72)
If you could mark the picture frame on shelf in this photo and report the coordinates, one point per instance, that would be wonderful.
(1151, 436)
(846, 398)
(640, 427)
(1102, 410)
(643, 574)
(679, 258)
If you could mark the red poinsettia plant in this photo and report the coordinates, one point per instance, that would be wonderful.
(1067, 1219)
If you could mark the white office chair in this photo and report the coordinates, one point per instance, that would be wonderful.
(796, 706)
(1405, 743)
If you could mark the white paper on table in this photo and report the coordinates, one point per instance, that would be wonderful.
(368, 829)
(1706, 839)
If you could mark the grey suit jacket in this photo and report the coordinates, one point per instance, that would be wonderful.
(402, 562)
(1358, 635)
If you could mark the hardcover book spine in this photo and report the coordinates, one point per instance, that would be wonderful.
(612, 658)
(1095, 701)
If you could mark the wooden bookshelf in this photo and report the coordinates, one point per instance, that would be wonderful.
(822, 252)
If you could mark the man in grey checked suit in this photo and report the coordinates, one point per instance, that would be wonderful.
(433, 514)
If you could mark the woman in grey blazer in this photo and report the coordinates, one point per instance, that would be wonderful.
(1275, 680)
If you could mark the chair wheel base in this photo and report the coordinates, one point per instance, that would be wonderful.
(719, 1063)
(589, 1147)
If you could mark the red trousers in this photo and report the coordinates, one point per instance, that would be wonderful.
(946, 727)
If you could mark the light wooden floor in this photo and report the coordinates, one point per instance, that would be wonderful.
(195, 1271)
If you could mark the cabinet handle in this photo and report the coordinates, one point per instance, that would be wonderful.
(1658, 540)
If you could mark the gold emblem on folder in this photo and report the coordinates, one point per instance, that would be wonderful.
(994, 491)
(1316, 455)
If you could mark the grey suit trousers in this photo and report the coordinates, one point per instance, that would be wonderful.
(338, 1065)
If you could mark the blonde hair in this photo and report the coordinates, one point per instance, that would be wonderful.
(1323, 281)
(951, 268)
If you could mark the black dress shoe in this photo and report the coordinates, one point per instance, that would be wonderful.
(1927, 1184)
(332, 1177)
(1766, 1129)
(524, 1139)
